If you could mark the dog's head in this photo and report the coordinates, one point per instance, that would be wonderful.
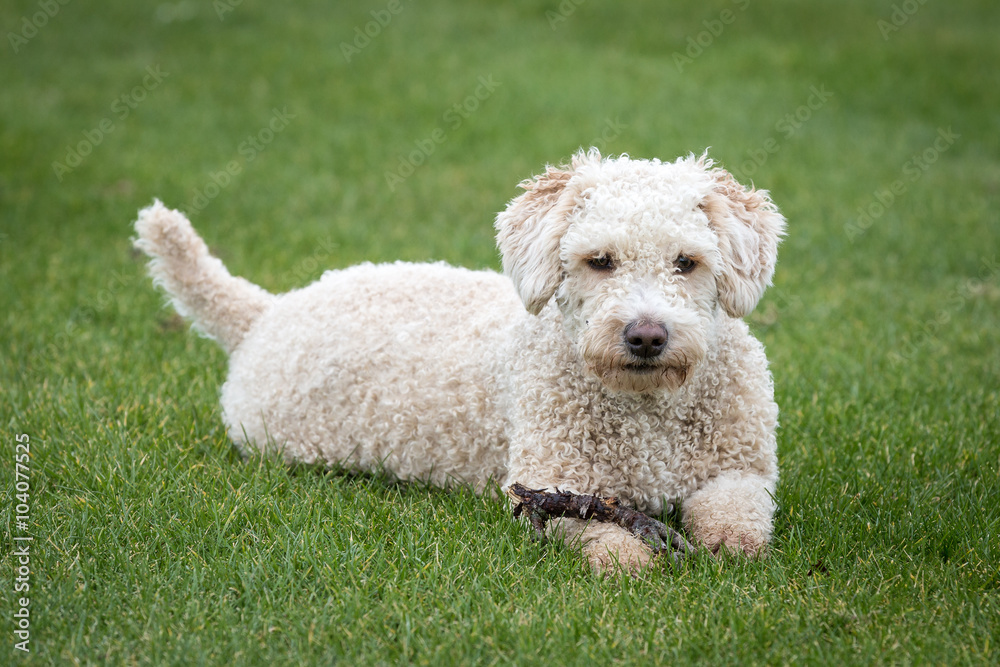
(639, 255)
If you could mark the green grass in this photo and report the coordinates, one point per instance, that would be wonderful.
(155, 544)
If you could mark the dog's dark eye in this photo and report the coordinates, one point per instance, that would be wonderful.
(601, 263)
(684, 264)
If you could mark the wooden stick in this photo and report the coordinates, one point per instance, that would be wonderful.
(542, 505)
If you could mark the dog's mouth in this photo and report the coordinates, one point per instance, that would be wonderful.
(642, 376)
(646, 376)
(642, 369)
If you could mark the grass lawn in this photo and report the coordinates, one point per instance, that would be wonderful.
(298, 143)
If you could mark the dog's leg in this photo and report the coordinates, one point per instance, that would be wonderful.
(733, 510)
(608, 547)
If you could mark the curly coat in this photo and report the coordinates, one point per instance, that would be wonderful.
(611, 359)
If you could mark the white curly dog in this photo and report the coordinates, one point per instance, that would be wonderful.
(611, 359)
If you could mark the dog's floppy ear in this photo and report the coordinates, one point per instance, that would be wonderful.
(749, 228)
(531, 227)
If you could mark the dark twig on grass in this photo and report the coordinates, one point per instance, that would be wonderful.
(542, 505)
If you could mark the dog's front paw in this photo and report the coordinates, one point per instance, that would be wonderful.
(731, 513)
(608, 548)
(732, 539)
(607, 558)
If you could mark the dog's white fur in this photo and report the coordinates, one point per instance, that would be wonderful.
(450, 375)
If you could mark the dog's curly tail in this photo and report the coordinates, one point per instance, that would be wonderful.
(222, 306)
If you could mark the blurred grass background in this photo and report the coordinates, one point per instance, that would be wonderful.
(154, 544)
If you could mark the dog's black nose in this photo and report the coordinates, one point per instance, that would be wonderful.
(645, 339)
